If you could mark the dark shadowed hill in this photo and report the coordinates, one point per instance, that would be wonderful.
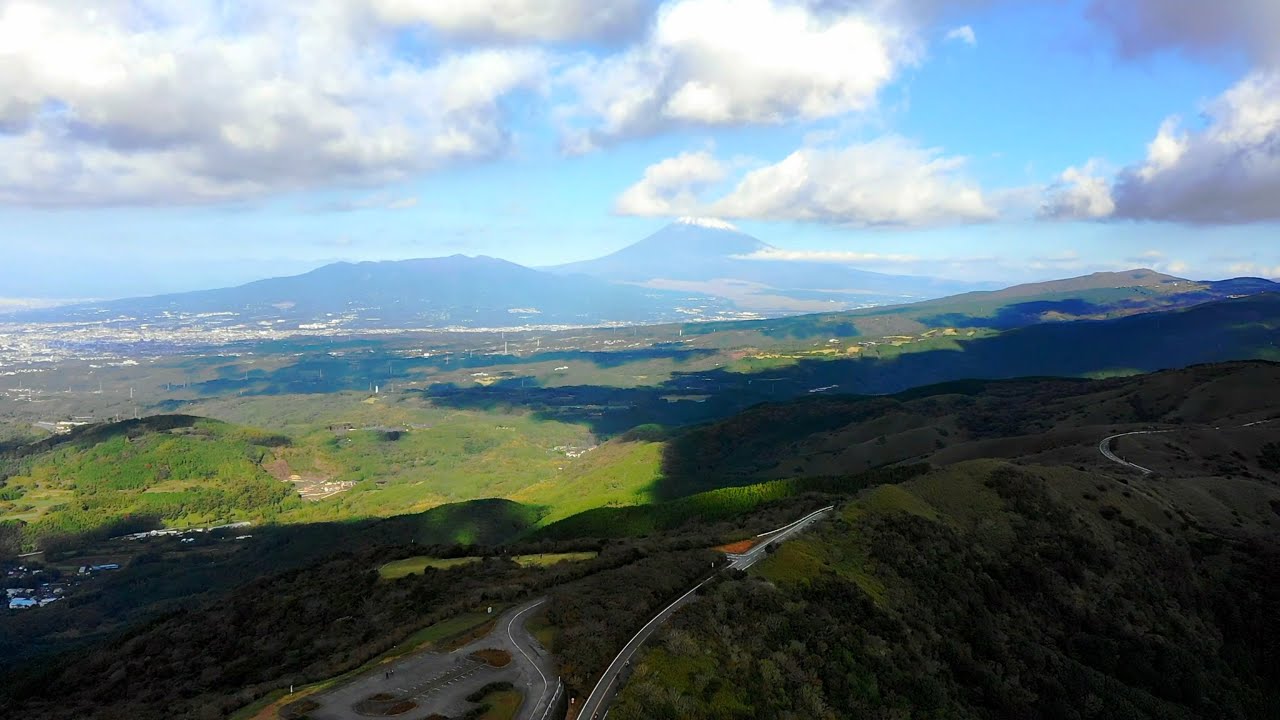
(1054, 420)
(1099, 296)
(1245, 328)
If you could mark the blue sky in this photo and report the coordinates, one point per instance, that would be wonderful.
(145, 148)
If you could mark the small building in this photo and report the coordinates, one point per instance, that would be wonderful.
(22, 603)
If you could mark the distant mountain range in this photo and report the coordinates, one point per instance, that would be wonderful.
(715, 258)
(690, 270)
(455, 291)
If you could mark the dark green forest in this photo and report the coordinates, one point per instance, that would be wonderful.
(1037, 611)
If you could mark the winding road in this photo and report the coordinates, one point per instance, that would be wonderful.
(597, 703)
(1104, 446)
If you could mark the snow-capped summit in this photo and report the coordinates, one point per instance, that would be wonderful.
(706, 222)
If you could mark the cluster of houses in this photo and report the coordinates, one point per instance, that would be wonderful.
(172, 532)
(45, 592)
(28, 597)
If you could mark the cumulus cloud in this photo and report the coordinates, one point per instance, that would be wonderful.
(729, 62)
(1142, 27)
(104, 102)
(888, 181)
(538, 20)
(963, 34)
(1079, 193)
(670, 187)
(1227, 172)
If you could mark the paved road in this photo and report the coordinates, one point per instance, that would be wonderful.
(760, 549)
(440, 682)
(540, 697)
(1104, 447)
(597, 703)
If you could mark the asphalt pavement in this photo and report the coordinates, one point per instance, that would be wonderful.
(1104, 446)
(597, 703)
(440, 682)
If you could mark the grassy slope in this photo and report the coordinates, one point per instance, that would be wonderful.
(616, 473)
(444, 455)
(415, 565)
(176, 469)
(708, 507)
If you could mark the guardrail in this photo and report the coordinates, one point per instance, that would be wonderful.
(554, 696)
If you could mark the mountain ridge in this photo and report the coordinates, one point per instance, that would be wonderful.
(454, 290)
(710, 256)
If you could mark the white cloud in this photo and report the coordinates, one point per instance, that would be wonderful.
(1227, 172)
(1165, 150)
(1255, 270)
(888, 181)
(670, 187)
(1080, 193)
(729, 62)
(963, 34)
(537, 20)
(104, 102)
(839, 257)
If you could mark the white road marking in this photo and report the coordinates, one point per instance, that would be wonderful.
(1104, 447)
(526, 655)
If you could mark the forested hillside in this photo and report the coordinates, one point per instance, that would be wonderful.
(140, 474)
(985, 591)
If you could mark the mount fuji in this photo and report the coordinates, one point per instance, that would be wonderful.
(713, 257)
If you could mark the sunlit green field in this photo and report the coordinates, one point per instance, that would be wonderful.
(414, 565)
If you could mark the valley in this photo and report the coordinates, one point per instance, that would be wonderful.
(456, 471)
(639, 360)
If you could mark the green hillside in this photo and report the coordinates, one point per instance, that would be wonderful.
(705, 509)
(168, 470)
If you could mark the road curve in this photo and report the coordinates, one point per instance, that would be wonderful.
(439, 681)
(597, 703)
(1104, 447)
(511, 636)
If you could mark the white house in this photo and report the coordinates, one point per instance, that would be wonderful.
(22, 603)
